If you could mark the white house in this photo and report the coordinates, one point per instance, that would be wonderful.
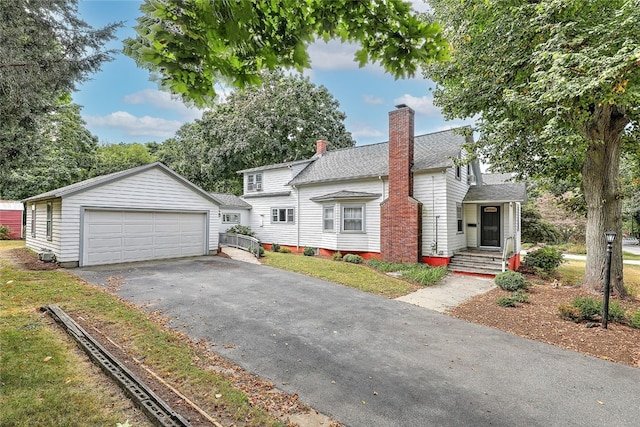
(405, 200)
(144, 213)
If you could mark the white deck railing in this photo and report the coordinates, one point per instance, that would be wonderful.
(241, 241)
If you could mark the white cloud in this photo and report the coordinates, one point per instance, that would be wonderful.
(420, 5)
(372, 100)
(361, 130)
(165, 101)
(131, 125)
(422, 105)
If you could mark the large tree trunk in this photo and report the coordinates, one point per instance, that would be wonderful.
(600, 185)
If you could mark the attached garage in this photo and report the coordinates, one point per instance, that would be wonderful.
(145, 213)
(114, 236)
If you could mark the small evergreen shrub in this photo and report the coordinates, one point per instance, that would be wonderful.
(634, 319)
(285, 250)
(241, 229)
(616, 312)
(309, 252)
(337, 256)
(589, 307)
(544, 260)
(353, 258)
(510, 280)
(4, 232)
(515, 298)
(275, 247)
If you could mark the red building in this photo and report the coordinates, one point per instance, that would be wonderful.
(11, 216)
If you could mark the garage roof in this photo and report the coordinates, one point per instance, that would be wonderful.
(90, 183)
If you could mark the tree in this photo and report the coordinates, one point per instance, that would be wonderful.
(45, 50)
(191, 45)
(118, 157)
(555, 86)
(65, 155)
(277, 121)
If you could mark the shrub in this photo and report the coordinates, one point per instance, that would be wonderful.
(634, 319)
(589, 307)
(424, 274)
(275, 247)
(510, 280)
(353, 258)
(4, 232)
(337, 256)
(569, 312)
(285, 250)
(616, 312)
(388, 266)
(255, 250)
(512, 300)
(309, 251)
(545, 260)
(241, 229)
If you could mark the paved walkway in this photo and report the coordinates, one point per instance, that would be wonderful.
(240, 255)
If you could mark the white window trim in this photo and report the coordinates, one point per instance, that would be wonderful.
(459, 219)
(362, 206)
(287, 209)
(33, 220)
(333, 218)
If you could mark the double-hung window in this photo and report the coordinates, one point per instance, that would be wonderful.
(328, 218)
(33, 220)
(49, 220)
(282, 215)
(353, 218)
(254, 182)
(459, 217)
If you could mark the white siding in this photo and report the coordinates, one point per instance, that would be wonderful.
(431, 190)
(310, 216)
(456, 190)
(40, 241)
(152, 189)
(260, 219)
(273, 180)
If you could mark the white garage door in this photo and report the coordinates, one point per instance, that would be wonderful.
(123, 236)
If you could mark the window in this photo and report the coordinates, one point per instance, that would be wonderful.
(33, 220)
(328, 218)
(458, 168)
(459, 216)
(281, 215)
(353, 218)
(49, 220)
(254, 182)
(231, 218)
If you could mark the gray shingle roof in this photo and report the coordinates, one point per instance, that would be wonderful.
(230, 201)
(509, 192)
(497, 178)
(276, 166)
(346, 195)
(105, 179)
(431, 151)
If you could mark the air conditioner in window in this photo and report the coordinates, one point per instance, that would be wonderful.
(258, 186)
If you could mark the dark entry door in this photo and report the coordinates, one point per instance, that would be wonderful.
(490, 226)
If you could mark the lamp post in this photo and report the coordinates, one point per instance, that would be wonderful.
(610, 236)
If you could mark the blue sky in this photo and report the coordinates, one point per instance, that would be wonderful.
(120, 104)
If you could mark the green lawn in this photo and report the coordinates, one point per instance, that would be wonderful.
(357, 276)
(43, 383)
(573, 272)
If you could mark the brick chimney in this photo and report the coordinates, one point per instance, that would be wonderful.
(401, 225)
(321, 147)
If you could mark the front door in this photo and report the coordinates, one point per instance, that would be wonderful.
(490, 226)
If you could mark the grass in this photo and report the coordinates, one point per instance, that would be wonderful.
(572, 273)
(353, 275)
(42, 383)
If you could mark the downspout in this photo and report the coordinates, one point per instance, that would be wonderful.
(433, 213)
(298, 221)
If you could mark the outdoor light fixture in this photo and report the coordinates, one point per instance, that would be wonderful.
(610, 236)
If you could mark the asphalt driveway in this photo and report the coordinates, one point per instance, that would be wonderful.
(369, 361)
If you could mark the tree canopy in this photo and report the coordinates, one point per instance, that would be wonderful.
(190, 45)
(555, 86)
(45, 51)
(277, 121)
